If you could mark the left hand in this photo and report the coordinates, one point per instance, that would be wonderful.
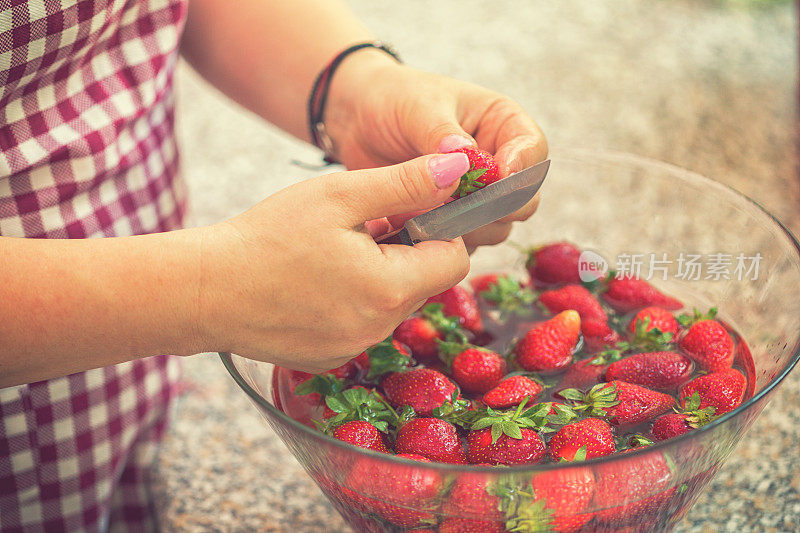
(380, 113)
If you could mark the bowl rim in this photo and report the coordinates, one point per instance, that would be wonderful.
(608, 156)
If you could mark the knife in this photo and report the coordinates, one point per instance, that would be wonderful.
(469, 213)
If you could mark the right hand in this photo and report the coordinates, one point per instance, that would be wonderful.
(299, 281)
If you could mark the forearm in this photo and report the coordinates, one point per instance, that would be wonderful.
(72, 305)
(265, 55)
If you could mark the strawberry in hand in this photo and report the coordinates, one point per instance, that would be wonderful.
(482, 171)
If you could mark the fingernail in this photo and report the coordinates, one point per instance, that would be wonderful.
(446, 169)
(451, 142)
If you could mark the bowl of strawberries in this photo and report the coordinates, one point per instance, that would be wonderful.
(591, 374)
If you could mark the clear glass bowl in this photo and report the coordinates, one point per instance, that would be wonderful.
(615, 204)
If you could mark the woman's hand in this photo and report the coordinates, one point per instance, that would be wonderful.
(380, 112)
(298, 279)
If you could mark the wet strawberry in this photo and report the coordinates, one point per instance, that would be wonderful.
(482, 171)
(475, 369)
(432, 438)
(664, 371)
(482, 448)
(597, 335)
(630, 490)
(506, 294)
(459, 302)
(422, 333)
(655, 317)
(621, 403)
(402, 494)
(554, 264)
(484, 282)
(670, 425)
(424, 389)
(382, 358)
(361, 434)
(471, 507)
(567, 493)
(710, 345)
(583, 374)
(574, 297)
(626, 293)
(586, 439)
(549, 345)
(722, 390)
(511, 391)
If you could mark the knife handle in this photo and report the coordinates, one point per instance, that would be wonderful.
(400, 236)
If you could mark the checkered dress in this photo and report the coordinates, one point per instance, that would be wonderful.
(86, 150)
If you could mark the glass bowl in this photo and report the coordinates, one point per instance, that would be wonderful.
(626, 208)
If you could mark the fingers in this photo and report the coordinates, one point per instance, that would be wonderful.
(427, 268)
(435, 128)
(494, 233)
(419, 184)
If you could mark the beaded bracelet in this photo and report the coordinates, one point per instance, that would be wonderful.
(319, 96)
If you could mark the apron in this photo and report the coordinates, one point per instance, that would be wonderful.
(87, 150)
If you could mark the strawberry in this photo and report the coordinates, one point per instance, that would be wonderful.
(474, 369)
(567, 493)
(554, 264)
(655, 317)
(432, 438)
(472, 507)
(460, 303)
(586, 439)
(529, 448)
(484, 282)
(382, 358)
(422, 333)
(722, 390)
(670, 425)
(506, 437)
(549, 345)
(583, 374)
(597, 334)
(358, 404)
(623, 404)
(709, 344)
(511, 391)
(631, 490)
(506, 294)
(574, 297)
(628, 293)
(423, 389)
(657, 370)
(482, 171)
(361, 434)
(402, 494)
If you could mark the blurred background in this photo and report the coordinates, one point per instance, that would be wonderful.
(710, 86)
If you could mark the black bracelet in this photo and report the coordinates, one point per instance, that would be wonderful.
(319, 96)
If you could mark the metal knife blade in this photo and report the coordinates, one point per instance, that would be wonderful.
(469, 213)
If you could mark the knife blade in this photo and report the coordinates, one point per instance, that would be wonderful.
(473, 211)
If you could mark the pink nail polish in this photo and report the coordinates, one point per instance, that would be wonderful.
(446, 169)
(451, 142)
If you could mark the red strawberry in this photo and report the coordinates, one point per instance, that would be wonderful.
(554, 263)
(420, 335)
(583, 374)
(722, 390)
(459, 302)
(362, 360)
(623, 404)
(471, 507)
(362, 434)
(511, 392)
(581, 440)
(655, 317)
(506, 294)
(631, 490)
(567, 493)
(484, 281)
(657, 370)
(627, 293)
(399, 493)
(530, 449)
(424, 389)
(670, 425)
(574, 297)
(597, 334)
(482, 171)
(549, 345)
(474, 369)
(432, 438)
(710, 345)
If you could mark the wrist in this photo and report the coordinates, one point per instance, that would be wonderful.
(348, 96)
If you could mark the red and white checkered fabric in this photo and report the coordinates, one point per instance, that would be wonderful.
(87, 149)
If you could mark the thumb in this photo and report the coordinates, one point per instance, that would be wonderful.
(436, 131)
(420, 184)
